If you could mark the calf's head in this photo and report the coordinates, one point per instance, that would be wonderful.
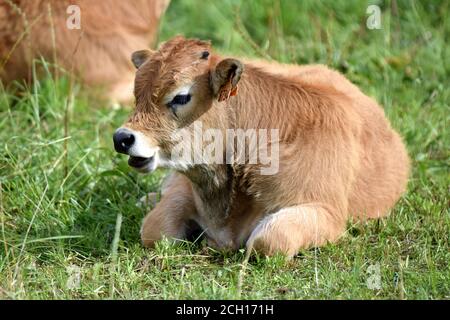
(174, 87)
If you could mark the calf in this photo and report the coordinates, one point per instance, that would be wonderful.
(338, 158)
(97, 50)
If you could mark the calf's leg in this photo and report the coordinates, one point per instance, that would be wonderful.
(294, 228)
(172, 216)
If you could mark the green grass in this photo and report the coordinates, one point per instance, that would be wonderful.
(60, 197)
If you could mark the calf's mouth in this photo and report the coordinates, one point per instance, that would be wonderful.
(142, 164)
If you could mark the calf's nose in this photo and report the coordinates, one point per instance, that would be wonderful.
(123, 140)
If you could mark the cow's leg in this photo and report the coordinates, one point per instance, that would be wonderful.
(294, 228)
(172, 216)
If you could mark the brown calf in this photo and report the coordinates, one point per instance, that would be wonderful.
(338, 156)
(98, 52)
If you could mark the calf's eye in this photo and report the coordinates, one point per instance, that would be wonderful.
(180, 99)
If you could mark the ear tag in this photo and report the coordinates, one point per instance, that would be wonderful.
(227, 91)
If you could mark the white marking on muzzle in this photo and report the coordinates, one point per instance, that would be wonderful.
(141, 148)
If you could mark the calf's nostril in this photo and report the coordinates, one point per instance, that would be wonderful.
(123, 140)
(128, 141)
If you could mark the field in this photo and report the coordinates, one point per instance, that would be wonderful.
(69, 212)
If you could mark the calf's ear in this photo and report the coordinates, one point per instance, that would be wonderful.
(139, 57)
(225, 77)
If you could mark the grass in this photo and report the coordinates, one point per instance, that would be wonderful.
(68, 203)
